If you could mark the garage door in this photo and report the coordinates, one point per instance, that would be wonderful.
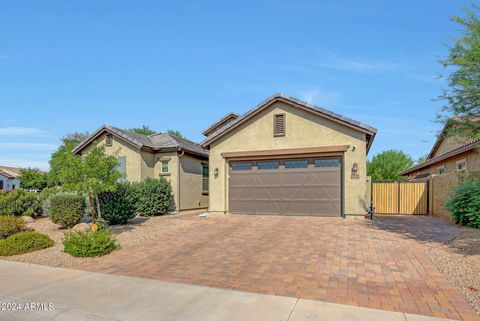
(286, 187)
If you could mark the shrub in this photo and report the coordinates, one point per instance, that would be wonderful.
(20, 202)
(24, 242)
(153, 197)
(10, 225)
(67, 209)
(464, 204)
(45, 198)
(88, 244)
(119, 206)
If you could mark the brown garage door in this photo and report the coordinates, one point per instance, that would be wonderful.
(286, 187)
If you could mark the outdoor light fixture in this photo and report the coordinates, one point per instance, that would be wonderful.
(355, 169)
(215, 172)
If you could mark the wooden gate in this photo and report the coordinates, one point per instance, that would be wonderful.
(400, 198)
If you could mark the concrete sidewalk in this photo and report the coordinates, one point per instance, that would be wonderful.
(81, 296)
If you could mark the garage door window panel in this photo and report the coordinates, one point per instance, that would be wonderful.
(294, 164)
(241, 166)
(268, 165)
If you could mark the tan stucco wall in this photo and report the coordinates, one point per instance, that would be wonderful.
(473, 164)
(302, 130)
(120, 148)
(142, 164)
(191, 180)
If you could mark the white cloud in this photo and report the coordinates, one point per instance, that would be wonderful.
(315, 95)
(27, 146)
(21, 131)
(331, 60)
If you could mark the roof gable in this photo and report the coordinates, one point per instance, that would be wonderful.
(155, 143)
(220, 123)
(321, 112)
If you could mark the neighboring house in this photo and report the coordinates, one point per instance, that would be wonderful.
(449, 154)
(9, 178)
(288, 157)
(182, 162)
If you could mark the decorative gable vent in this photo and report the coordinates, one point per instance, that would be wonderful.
(279, 125)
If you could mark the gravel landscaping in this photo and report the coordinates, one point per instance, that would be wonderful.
(139, 229)
(459, 259)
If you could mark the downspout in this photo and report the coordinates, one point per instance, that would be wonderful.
(179, 178)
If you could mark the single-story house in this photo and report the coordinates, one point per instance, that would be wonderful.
(450, 153)
(9, 178)
(288, 157)
(182, 162)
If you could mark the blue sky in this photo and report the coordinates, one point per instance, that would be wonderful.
(69, 66)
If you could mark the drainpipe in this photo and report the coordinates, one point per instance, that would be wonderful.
(179, 180)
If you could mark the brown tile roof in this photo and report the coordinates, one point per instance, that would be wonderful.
(10, 172)
(279, 96)
(155, 143)
(219, 122)
(461, 149)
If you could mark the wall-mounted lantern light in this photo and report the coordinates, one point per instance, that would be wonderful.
(355, 169)
(215, 172)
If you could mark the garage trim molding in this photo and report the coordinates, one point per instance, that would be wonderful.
(288, 152)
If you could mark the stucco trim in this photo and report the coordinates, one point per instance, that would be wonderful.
(287, 152)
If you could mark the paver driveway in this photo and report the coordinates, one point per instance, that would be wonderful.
(379, 265)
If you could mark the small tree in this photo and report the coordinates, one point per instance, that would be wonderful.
(33, 178)
(144, 130)
(92, 174)
(463, 94)
(386, 166)
(175, 132)
(63, 156)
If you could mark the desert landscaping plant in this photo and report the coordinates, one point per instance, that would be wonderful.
(464, 204)
(10, 225)
(118, 206)
(89, 244)
(154, 197)
(24, 242)
(67, 209)
(20, 202)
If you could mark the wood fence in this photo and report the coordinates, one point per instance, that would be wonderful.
(400, 198)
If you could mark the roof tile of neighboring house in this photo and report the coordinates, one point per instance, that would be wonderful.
(158, 142)
(304, 104)
(10, 172)
(458, 150)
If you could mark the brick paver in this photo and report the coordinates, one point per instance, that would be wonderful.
(380, 265)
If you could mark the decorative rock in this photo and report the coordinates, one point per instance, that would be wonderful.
(28, 219)
(82, 227)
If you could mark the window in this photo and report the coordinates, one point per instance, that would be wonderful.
(327, 162)
(441, 170)
(13, 187)
(241, 166)
(109, 140)
(461, 165)
(1, 184)
(303, 163)
(122, 167)
(165, 166)
(205, 175)
(279, 125)
(268, 165)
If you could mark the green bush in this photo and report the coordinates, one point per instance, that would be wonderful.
(10, 225)
(464, 204)
(24, 242)
(119, 206)
(66, 209)
(19, 202)
(89, 244)
(45, 198)
(153, 196)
